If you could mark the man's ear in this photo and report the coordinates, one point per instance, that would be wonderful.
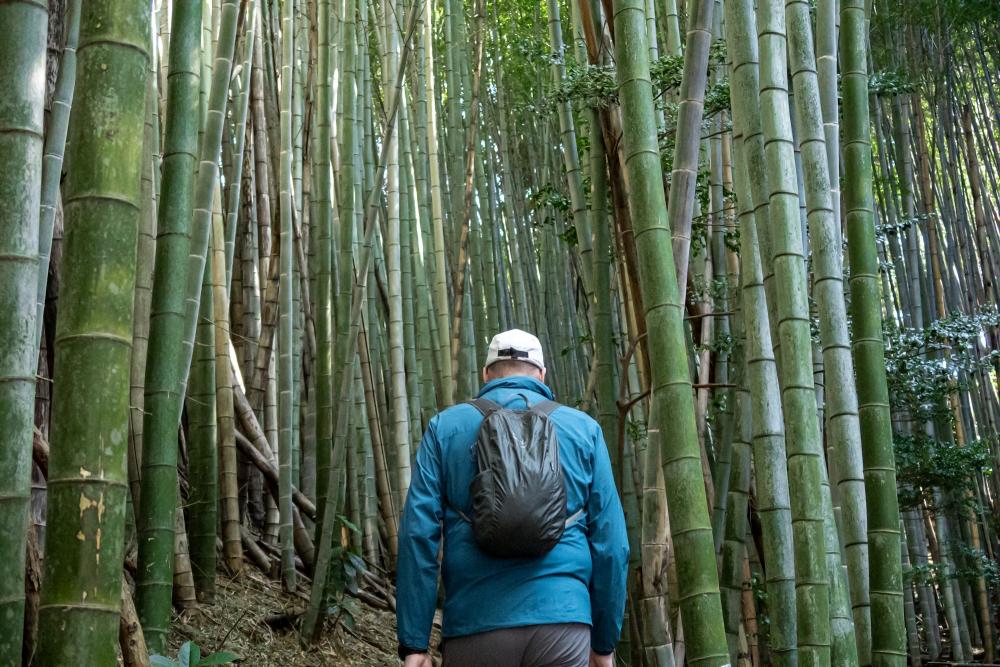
(543, 374)
(484, 377)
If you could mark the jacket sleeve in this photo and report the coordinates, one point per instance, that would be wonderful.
(419, 542)
(608, 551)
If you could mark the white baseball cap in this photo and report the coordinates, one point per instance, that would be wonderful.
(515, 345)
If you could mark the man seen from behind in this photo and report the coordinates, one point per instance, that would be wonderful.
(560, 608)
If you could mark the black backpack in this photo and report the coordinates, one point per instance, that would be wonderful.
(518, 496)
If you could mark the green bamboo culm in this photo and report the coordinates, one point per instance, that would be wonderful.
(439, 268)
(203, 471)
(81, 595)
(164, 377)
(399, 434)
(23, 27)
(323, 231)
(767, 435)
(571, 158)
(286, 384)
(605, 346)
(206, 187)
(798, 397)
(736, 530)
(207, 180)
(889, 632)
(828, 291)
(241, 98)
(55, 146)
(346, 206)
(671, 395)
(690, 112)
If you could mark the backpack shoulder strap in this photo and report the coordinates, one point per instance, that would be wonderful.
(485, 406)
(546, 407)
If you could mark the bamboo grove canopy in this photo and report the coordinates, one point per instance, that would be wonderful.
(248, 248)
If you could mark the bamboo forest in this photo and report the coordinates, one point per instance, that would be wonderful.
(250, 248)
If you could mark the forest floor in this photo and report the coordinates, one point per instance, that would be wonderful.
(236, 623)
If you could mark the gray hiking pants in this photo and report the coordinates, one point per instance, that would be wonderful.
(556, 645)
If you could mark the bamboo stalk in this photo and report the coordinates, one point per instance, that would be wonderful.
(90, 419)
(889, 636)
(22, 58)
(671, 386)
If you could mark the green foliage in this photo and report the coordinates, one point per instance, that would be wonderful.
(924, 366)
(976, 564)
(522, 49)
(887, 229)
(589, 85)
(947, 23)
(922, 575)
(717, 98)
(955, 14)
(973, 564)
(716, 101)
(891, 82)
(920, 386)
(720, 344)
(957, 333)
(814, 321)
(569, 237)
(717, 406)
(636, 431)
(666, 71)
(344, 610)
(758, 587)
(924, 464)
(703, 289)
(189, 655)
(347, 569)
(595, 85)
(699, 224)
(548, 199)
(732, 238)
(548, 195)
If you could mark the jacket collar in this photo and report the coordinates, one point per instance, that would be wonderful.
(518, 382)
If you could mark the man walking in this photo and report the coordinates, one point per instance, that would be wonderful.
(563, 608)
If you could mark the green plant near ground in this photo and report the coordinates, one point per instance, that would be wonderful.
(189, 655)
(346, 571)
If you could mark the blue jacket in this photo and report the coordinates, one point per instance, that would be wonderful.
(582, 580)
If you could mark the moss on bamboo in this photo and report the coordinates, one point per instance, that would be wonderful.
(164, 378)
(889, 634)
(87, 484)
(671, 386)
(22, 67)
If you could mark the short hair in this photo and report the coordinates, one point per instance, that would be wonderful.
(507, 367)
